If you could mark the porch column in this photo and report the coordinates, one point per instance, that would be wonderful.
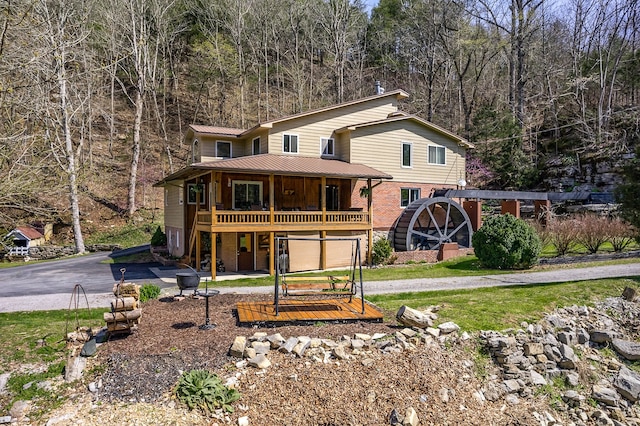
(370, 211)
(272, 266)
(272, 200)
(323, 250)
(323, 198)
(198, 248)
(214, 264)
(511, 206)
(195, 229)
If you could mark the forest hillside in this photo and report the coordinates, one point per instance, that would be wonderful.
(96, 95)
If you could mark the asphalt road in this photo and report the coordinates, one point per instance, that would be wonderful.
(50, 285)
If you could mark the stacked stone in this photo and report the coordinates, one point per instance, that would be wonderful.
(547, 354)
(254, 351)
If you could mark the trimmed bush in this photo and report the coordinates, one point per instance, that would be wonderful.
(381, 252)
(148, 292)
(506, 242)
(159, 238)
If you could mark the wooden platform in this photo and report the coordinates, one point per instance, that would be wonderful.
(291, 310)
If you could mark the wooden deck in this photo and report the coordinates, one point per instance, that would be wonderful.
(292, 310)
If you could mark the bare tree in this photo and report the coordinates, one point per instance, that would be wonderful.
(63, 36)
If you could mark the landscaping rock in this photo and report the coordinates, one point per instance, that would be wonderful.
(602, 336)
(448, 327)
(259, 361)
(605, 395)
(288, 345)
(238, 347)
(410, 417)
(628, 384)
(627, 349)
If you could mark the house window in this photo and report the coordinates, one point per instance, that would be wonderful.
(223, 149)
(195, 151)
(408, 196)
(328, 146)
(406, 154)
(194, 189)
(247, 195)
(290, 143)
(436, 154)
(255, 146)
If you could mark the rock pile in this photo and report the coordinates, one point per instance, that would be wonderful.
(580, 355)
(255, 351)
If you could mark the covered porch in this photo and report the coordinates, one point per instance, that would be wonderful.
(234, 213)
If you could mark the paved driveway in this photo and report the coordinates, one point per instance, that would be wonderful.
(50, 285)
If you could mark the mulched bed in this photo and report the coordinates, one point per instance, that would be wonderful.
(143, 367)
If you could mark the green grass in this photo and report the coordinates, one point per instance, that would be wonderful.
(37, 339)
(20, 333)
(129, 235)
(499, 308)
(459, 267)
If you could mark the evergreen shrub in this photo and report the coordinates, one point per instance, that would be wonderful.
(506, 242)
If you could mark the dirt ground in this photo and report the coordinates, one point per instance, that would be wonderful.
(138, 372)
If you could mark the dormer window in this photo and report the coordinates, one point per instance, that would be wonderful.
(255, 146)
(328, 146)
(223, 149)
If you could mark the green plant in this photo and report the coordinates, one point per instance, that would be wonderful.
(148, 292)
(159, 238)
(203, 389)
(628, 193)
(506, 242)
(381, 251)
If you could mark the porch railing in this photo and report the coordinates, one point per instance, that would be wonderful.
(233, 218)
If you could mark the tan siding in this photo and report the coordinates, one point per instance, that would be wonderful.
(208, 147)
(381, 148)
(343, 147)
(313, 127)
(173, 210)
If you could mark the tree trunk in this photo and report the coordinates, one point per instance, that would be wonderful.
(135, 158)
(70, 154)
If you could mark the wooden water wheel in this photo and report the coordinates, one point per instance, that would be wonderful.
(427, 223)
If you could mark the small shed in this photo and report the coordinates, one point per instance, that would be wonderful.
(24, 237)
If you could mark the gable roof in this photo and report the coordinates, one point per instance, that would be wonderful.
(28, 232)
(282, 165)
(240, 133)
(401, 116)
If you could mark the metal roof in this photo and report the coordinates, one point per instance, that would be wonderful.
(215, 130)
(28, 232)
(237, 133)
(292, 165)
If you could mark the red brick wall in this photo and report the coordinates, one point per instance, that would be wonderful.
(386, 200)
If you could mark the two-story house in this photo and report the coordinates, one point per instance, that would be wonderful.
(344, 170)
